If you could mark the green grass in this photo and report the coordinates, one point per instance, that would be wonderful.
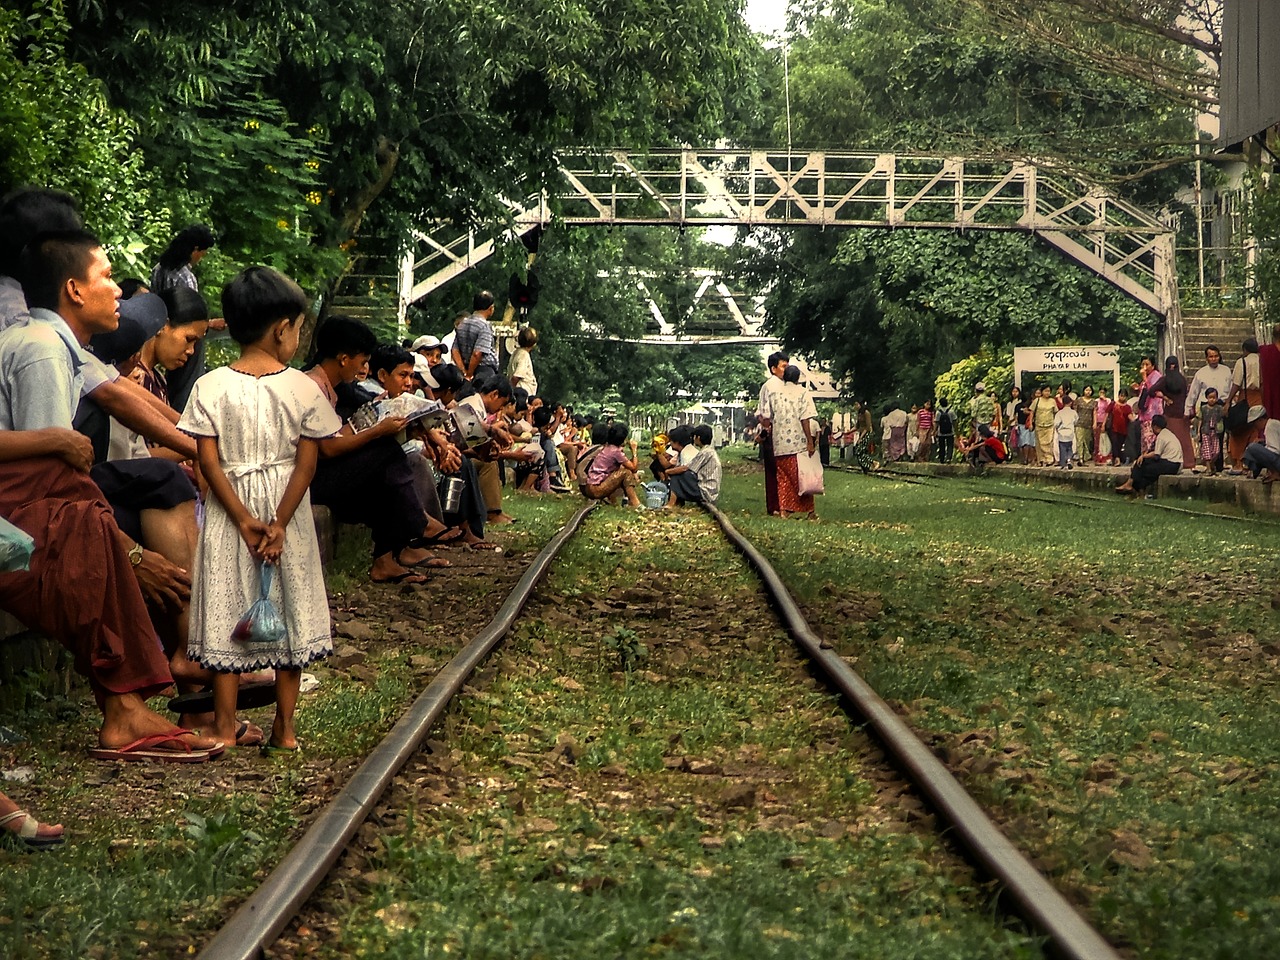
(1103, 678)
(156, 859)
(631, 848)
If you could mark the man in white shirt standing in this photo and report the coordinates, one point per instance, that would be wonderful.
(1213, 374)
(777, 362)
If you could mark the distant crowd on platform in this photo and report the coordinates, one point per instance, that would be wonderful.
(1224, 420)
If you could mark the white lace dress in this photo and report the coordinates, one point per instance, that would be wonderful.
(257, 421)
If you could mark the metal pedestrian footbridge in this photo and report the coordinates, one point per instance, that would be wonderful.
(828, 189)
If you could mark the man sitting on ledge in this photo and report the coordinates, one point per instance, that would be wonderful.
(83, 588)
(1164, 459)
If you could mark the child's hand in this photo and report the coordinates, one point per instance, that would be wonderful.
(272, 543)
(252, 532)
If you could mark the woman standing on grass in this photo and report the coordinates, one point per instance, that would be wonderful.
(793, 418)
(184, 252)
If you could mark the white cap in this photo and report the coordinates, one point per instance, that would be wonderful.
(979, 386)
(423, 369)
(424, 341)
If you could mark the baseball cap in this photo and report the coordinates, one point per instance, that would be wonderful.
(425, 341)
(979, 385)
(423, 369)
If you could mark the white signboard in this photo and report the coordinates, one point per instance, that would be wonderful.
(1065, 360)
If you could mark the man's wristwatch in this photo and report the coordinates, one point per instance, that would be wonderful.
(135, 554)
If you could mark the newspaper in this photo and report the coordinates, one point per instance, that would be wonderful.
(431, 413)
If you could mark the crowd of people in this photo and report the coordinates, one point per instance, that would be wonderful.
(1218, 422)
(165, 500)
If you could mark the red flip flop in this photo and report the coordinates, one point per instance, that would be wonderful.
(143, 749)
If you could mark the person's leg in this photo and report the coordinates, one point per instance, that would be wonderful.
(81, 591)
(173, 534)
(684, 487)
(570, 453)
(46, 834)
(628, 482)
(225, 688)
(288, 685)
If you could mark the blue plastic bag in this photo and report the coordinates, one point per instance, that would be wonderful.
(262, 622)
(16, 548)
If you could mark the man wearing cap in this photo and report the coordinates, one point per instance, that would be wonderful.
(983, 409)
(475, 350)
(1163, 459)
(1264, 458)
(86, 581)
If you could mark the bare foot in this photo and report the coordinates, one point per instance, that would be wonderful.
(127, 718)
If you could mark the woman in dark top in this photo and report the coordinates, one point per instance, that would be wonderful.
(1173, 386)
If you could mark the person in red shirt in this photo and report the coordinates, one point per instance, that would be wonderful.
(1118, 426)
(924, 431)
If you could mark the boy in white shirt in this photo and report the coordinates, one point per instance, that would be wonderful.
(1064, 429)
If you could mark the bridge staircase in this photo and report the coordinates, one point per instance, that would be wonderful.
(1225, 329)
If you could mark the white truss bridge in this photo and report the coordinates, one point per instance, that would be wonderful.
(1127, 246)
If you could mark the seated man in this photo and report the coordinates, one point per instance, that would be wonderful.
(1264, 458)
(480, 411)
(1164, 459)
(365, 477)
(699, 481)
(83, 588)
(988, 448)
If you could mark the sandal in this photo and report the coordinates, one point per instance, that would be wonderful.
(29, 833)
(409, 577)
(445, 537)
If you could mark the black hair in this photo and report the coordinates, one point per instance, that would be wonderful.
(388, 356)
(448, 376)
(543, 417)
(1214, 348)
(600, 433)
(579, 420)
(29, 211)
(131, 286)
(1250, 345)
(257, 298)
(482, 301)
(791, 375)
(188, 240)
(1159, 421)
(703, 432)
(682, 435)
(50, 260)
(521, 403)
(776, 358)
(185, 305)
(521, 396)
(496, 384)
(528, 337)
(344, 335)
(617, 434)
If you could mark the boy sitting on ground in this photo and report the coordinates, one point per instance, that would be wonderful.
(699, 481)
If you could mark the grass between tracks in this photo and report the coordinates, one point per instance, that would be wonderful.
(159, 855)
(648, 770)
(1104, 680)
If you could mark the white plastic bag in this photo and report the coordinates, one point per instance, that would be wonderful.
(810, 469)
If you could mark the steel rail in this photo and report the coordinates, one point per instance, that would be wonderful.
(260, 920)
(1039, 902)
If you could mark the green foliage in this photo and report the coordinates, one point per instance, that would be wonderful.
(58, 130)
(626, 644)
(1265, 226)
(994, 370)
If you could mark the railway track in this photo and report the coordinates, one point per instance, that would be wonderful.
(269, 911)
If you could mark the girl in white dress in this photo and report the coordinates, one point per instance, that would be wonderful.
(256, 424)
